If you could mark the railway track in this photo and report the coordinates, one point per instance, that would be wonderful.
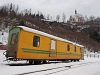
(56, 69)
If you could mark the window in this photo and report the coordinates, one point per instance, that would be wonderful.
(53, 44)
(17, 37)
(75, 48)
(80, 50)
(36, 41)
(68, 47)
(13, 38)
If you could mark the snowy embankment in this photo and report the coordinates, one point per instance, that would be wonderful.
(4, 37)
(89, 66)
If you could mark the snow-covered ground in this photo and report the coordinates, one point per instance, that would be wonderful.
(89, 66)
(4, 37)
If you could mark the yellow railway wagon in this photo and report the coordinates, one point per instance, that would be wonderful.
(29, 44)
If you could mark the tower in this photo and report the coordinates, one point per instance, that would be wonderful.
(75, 12)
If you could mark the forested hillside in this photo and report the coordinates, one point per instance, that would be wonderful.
(87, 34)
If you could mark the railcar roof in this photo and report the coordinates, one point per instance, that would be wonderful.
(46, 34)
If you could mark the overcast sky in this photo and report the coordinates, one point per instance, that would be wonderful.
(58, 7)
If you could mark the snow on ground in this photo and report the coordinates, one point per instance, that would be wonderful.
(4, 37)
(89, 66)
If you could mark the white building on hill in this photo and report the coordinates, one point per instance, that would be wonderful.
(76, 19)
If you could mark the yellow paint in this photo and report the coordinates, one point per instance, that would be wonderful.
(26, 41)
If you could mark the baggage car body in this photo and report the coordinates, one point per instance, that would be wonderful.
(29, 44)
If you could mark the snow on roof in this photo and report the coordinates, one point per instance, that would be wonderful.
(46, 34)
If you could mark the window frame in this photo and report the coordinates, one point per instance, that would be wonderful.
(35, 40)
(17, 36)
(12, 42)
(75, 48)
(68, 47)
(80, 50)
(53, 42)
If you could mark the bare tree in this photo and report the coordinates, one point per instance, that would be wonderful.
(98, 19)
(51, 18)
(57, 18)
(92, 18)
(8, 6)
(48, 16)
(86, 18)
(63, 17)
(41, 16)
(11, 7)
(29, 12)
(26, 12)
(17, 9)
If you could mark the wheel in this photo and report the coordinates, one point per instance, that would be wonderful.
(74, 60)
(37, 62)
(44, 62)
(30, 62)
(78, 60)
(71, 60)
